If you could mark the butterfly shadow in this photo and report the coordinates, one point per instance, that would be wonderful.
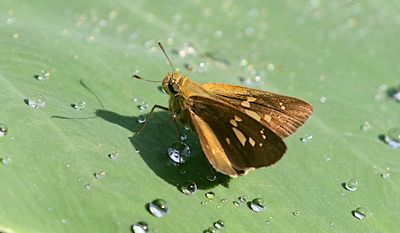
(152, 144)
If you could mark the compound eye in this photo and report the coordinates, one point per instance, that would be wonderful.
(174, 88)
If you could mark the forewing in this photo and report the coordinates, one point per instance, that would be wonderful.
(282, 114)
(232, 141)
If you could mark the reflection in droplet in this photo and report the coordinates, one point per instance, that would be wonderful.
(211, 177)
(159, 208)
(36, 101)
(360, 213)
(392, 137)
(113, 155)
(3, 130)
(140, 227)
(257, 205)
(189, 188)
(351, 185)
(178, 152)
(81, 104)
(43, 76)
(141, 119)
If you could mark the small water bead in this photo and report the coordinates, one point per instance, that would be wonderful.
(366, 126)
(159, 208)
(88, 186)
(143, 106)
(242, 199)
(36, 101)
(211, 177)
(219, 224)
(113, 155)
(43, 76)
(322, 99)
(210, 195)
(385, 175)
(183, 137)
(63, 221)
(3, 130)
(307, 138)
(189, 188)
(268, 221)
(141, 119)
(81, 104)
(5, 161)
(271, 67)
(100, 175)
(351, 185)
(392, 137)
(178, 152)
(296, 213)
(236, 203)
(360, 213)
(257, 205)
(140, 227)
(210, 230)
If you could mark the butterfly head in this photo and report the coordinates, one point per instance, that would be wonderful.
(172, 83)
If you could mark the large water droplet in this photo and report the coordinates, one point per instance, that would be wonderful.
(189, 188)
(81, 104)
(158, 208)
(178, 152)
(219, 224)
(360, 213)
(3, 130)
(36, 101)
(113, 155)
(392, 137)
(140, 227)
(141, 119)
(351, 185)
(44, 75)
(100, 175)
(257, 205)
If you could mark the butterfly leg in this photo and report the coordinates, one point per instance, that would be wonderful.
(150, 115)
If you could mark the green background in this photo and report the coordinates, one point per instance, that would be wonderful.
(346, 51)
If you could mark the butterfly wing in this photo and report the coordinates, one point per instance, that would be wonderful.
(282, 114)
(233, 142)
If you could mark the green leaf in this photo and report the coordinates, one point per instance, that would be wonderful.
(344, 51)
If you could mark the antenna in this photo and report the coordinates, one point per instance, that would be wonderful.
(138, 77)
(162, 48)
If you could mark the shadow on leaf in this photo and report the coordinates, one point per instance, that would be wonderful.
(153, 142)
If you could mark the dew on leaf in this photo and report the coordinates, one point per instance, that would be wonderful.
(219, 224)
(140, 227)
(257, 205)
(159, 208)
(113, 155)
(210, 195)
(141, 119)
(351, 185)
(36, 101)
(3, 130)
(189, 188)
(81, 104)
(360, 213)
(5, 161)
(392, 137)
(42, 76)
(100, 175)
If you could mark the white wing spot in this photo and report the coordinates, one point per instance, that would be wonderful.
(260, 144)
(267, 118)
(252, 114)
(228, 141)
(240, 136)
(264, 137)
(252, 142)
(251, 99)
(245, 104)
(238, 119)
(233, 122)
(280, 103)
(283, 107)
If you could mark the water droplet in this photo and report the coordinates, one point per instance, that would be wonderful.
(218, 34)
(63, 221)
(137, 150)
(158, 208)
(271, 67)
(269, 221)
(113, 155)
(242, 198)
(189, 188)
(5, 161)
(88, 186)
(43, 76)
(219, 224)
(306, 139)
(211, 177)
(296, 213)
(141, 119)
(257, 205)
(360, 213)
(385, 175)
(3, 130)
(36, 101)
(143, 106)
(236, 203)
(392, 137)
(210, 230)
(210, 195)
(351, 185)
(183, 137)
(178, 151)
(366, 126)
(81, 104)
(100, 175)
(140, 227)
(322, 99)
(187, 128)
